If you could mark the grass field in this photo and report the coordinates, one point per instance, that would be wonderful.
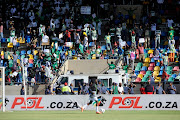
(90, 115)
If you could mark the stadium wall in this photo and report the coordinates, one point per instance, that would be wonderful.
(110, 102)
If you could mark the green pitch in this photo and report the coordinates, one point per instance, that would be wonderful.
(90, 115)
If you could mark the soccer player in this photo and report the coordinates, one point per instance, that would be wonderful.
(92, 97)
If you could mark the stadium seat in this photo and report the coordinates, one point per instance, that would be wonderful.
(138, 79)
(136, 73)
(31, 56)
(156, 68)
(150, 51)
(2, 53)
(144, 68)
(176, 68)
(155, 73)
(23, 52)
(146, 55)
(30, 65)
(140, 76)
(103, 47)
(31, 61)
(10, 45)
(152, 60)
(169, 68)
(3, 40)
(29, 52)
(18, 61)
(162, 68)
(137, 68)
(158, 64)
(169, 72)
(151, 68)
(143, 72)
(152, 64)
(174, 76)
(93, 56)
(35, 52)
(59, 48)
(146, 64)
(151, 55)
(157, 79)
(22, 41)
(147, 60)
(145, 79)
(171, 79)
(148, 73)
(161, 73)
(140, 64)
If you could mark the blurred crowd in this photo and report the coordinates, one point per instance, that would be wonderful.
(43, 34)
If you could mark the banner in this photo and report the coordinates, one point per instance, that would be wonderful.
(111, 102)
(86, 10)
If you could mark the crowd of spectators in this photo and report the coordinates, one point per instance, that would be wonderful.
(53, 31)
(115, 89)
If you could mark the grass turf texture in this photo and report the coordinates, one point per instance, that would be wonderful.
(90, 115)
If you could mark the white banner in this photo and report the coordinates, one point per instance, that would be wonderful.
(113, 102)
(86, 10)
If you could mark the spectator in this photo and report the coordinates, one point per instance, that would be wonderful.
(1, 31)
(22, 91)
(111, 66)
(165, 60)
(94, 35)
(104, 89)
(66, 89)
(48, 90)
(71, 87)
(159, 89)
(172, 49)
(149, 89)
(131, 88)
(126, 89)
(79, 88)
(108, 42)
(142, 89)
(141, 53)
(132, 55)
(120, 88)
(171, 89)
(99, 90)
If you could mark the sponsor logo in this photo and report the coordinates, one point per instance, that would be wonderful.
(32, 102)
(59, 105)
(162, 105)
(127, 102)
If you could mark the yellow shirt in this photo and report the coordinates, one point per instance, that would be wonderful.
(66, 89)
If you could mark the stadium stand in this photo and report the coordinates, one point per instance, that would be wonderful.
(39, 37)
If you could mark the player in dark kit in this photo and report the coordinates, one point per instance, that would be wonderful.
(92, 97)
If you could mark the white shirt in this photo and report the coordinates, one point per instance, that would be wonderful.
(67, 22)
(160, 1)
(153, 27)
(56, 23)
(85, 41)
(120, 89)
(45, 38)
(170, 22)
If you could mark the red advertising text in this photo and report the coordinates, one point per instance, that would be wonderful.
(127, 102)
(32, 102)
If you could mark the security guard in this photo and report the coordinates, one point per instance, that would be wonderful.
(66, 89)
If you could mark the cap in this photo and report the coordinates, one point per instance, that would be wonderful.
(65, 83)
